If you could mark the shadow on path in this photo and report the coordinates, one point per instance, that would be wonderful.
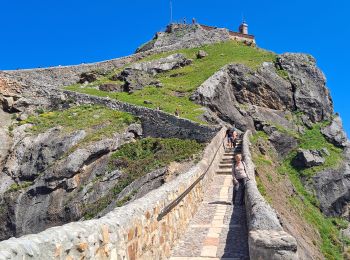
(237, 237)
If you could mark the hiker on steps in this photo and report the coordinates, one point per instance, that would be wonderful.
(231, 135)
(240, 178)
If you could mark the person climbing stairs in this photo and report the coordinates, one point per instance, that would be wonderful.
(218, 230)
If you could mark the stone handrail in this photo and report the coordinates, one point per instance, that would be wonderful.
(267, 239)
(129, 232)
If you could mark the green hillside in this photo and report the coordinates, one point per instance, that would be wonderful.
(180, 83)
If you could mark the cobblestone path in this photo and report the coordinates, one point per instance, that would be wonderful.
(218, 229)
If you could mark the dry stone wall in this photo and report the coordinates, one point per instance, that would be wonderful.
(129, 232)
(155, 123)
(267, 239)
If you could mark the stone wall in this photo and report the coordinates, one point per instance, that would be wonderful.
(129, 232)
(154, 123)
(267, 239)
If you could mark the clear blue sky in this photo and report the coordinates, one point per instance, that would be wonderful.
(40, 33)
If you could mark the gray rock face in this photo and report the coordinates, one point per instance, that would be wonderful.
(335, 134)
(332, 188)
(263, 88)
(48, 184)
(308, 158)
(141, 187)
(171, 62)
(181, 36)
(217, 94)
(110, 87)
(135, 79)
(89, 77)
(237, 95)
(310, 93)
(32, 155)
(283, 143)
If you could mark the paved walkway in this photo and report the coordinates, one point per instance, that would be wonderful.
(218, 229)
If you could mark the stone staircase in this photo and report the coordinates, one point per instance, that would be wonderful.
(218, 230)
(225, 166)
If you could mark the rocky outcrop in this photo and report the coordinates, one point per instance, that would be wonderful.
(135, 79)
(46, 176)
(308, 158)
(181, 36)
(33, 154)
(171, 62)
(332, 187)
(335, 134)
(110, 87)
(309, 85)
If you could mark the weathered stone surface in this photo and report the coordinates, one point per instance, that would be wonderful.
(334, 133)
(171, 62)
(110, 87)
(262, 88)
(332, 188)
(201, 54)
(282, 142)
(88, 77)
(136, 129)
(181, 36)
(141, 187)
(308, 158)
(32, 155)
(267, 244)
(235, 89)
(310, 93)
(135, 79)
(56, 193)
(217, 94)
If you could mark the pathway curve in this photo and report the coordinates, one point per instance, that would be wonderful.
(218, 230)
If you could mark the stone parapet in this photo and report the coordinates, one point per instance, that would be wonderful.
(133, 231)
(267, 239)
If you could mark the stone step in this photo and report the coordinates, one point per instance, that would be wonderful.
(225, 166)
(224, 172)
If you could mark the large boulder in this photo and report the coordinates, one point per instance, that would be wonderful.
(332, 187)
(171, 62)
(308, 158)
(309, 83)
(334, 133)
(111, 87)
(282, 142)
(135, 79)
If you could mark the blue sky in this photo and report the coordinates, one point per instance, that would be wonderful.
(41, 33)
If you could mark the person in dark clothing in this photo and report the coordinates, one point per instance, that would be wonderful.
(231, 135)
